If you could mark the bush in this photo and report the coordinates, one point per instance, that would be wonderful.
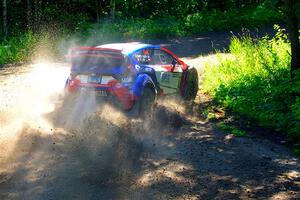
(256, 83)
(16, 49)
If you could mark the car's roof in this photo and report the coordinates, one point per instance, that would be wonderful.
(127, 48)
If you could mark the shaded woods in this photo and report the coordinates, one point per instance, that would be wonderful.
(36, 14)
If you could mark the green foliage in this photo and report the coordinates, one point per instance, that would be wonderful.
(294, 126)
(28, 46)
(75, 22)
(255, 82)
(172, 26)
(131, 29)
(16, 49)
(234, 18)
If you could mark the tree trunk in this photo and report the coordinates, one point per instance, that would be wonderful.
(5, 22)
(36, 15)
(293, 32)
(97, 11)
(112, 9)
(29, 14)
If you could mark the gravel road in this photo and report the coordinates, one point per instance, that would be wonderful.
(50, 151)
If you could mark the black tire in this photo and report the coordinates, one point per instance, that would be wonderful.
(191, 85)
(147, 102)
(145, 105)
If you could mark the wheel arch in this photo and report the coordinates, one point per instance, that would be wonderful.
(142, 81)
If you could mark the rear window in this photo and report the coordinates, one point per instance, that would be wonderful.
(107, 59)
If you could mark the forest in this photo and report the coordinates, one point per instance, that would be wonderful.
(132, 19)
(71, 14)
(34, 26)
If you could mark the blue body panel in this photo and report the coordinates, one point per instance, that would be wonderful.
(140, 82)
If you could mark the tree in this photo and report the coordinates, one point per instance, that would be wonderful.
(293, 32)
(5, 21)
(29, 14)
(97, 11)
(112, 9)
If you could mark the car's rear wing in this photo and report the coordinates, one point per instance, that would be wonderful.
(88, 51)
(95, 59)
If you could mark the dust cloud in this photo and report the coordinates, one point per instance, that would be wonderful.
(26, 94)
(48, 143)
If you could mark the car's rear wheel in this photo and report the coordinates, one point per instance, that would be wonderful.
(145, 105)
(191, 85)
(147, 102)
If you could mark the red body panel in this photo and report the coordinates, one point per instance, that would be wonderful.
(122, 93)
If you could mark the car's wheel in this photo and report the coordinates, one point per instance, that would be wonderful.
(191, 85)
(147, 102)
(145, 105)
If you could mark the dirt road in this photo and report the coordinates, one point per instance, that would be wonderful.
(49, 151)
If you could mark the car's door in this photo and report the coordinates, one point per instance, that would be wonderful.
(167, 70)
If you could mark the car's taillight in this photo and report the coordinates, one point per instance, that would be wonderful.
(73, 76)
(79, 78)
(74, 79)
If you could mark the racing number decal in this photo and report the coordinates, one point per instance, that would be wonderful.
(169, 81)
(165, 77)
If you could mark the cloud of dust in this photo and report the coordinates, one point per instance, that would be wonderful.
(26, 94)
(83, 139)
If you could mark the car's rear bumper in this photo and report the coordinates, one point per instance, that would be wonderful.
(113, 92)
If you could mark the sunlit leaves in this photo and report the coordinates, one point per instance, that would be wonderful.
(256, 82)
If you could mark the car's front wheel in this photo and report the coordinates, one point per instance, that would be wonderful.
(191, 87)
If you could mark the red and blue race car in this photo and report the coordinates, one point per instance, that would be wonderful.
(131, 74)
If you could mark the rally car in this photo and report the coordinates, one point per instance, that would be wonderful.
(132, 75)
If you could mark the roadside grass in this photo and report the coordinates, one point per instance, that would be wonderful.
(256, 84)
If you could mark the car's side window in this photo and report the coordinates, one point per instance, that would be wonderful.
(161, 58)
(143, 57)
